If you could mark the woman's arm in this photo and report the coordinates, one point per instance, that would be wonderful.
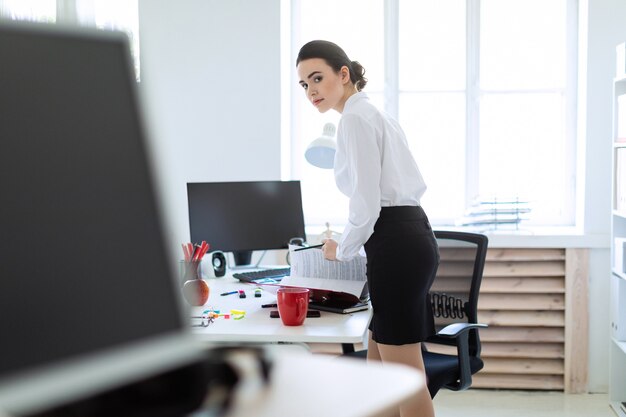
(357, 173)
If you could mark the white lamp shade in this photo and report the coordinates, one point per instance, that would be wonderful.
(321, 152)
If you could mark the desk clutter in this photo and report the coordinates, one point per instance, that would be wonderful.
(209, 316)
(318, 285)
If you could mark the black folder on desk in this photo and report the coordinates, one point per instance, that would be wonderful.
(338, 309)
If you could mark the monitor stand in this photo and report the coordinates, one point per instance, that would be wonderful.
(243, 259)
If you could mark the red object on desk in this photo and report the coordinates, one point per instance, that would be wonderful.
(337, 299)
(196, 292)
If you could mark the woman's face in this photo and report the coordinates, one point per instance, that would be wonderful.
(323, 86)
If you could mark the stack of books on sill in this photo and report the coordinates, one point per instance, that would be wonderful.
(494, 214)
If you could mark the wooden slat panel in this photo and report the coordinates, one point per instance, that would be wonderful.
(509, 350)
(524, 366)
(524, 254)
(455, 269)
(521, 301)
(503, 284)
(577, 321)
(522, 334)
(524, 269)
(451, 285)
(544, 382)
(523, 350)
(457, 254)
(522, 318)
(537, 284)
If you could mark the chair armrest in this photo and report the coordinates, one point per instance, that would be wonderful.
(455, 329)
(457, 334)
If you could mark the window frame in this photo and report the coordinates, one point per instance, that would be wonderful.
(473, 93)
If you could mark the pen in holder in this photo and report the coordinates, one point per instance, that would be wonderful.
(194, 289)
(189, 270)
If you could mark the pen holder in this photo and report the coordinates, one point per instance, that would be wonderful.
(194, 289)
(189, 270)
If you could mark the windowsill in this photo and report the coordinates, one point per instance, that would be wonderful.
(526, 237)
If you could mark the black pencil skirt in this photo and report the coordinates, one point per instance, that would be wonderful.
(402, 260)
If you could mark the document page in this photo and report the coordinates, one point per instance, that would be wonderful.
(310, 269)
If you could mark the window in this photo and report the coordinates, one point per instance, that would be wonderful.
(105, 14)
(114, 15)
(32, 10)
(484, 89)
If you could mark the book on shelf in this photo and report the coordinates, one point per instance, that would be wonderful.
(620, 127)
(617, 307)
(620, 60)
(620, 179)
(619, 254)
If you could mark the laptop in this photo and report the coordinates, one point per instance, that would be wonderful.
(89, 298)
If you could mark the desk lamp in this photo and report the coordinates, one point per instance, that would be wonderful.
(321, 152)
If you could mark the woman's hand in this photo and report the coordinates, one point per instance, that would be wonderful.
(329, 250)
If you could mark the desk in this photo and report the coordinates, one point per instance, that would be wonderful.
(329, 387)
(258, 327)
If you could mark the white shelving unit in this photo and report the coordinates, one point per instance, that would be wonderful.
(617, 367)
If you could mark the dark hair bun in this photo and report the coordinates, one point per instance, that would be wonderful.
(359, 75)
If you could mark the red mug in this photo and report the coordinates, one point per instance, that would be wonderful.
(293, 304)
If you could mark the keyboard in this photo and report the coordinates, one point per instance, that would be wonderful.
(263, 276)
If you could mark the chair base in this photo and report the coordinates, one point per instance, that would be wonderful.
(443, 370)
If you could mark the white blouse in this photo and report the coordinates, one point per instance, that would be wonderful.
(374, 168)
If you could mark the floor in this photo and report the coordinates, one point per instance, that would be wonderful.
(508, 403)
(503, 403)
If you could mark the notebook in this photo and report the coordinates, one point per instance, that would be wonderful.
(340, 310)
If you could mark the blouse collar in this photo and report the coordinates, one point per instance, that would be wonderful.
(354, 98)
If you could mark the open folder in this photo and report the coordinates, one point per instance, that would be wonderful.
(334, 284)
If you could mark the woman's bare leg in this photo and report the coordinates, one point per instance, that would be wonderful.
(411, 355)
(372, 349)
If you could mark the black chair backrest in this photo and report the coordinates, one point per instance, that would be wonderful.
(454, 293)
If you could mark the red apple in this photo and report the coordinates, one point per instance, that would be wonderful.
(196, 292)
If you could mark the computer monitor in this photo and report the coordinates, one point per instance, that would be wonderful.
(242, 217)
(88, 297)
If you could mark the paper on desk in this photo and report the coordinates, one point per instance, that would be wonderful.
(310, 269)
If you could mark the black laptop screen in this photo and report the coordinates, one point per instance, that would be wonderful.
(82, 258)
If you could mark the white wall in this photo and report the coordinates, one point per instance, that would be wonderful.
(211, 71)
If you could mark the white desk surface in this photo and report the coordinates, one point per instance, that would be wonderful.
(306, 385)
(258, 327)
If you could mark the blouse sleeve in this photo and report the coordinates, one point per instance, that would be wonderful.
(357, 174)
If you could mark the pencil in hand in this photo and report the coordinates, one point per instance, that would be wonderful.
(309, 247)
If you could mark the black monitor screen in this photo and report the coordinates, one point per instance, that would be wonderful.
(83, 265)
(245, 216)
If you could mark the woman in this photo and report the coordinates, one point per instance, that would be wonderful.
(375, 169)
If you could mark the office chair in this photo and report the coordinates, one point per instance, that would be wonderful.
(454, 298)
